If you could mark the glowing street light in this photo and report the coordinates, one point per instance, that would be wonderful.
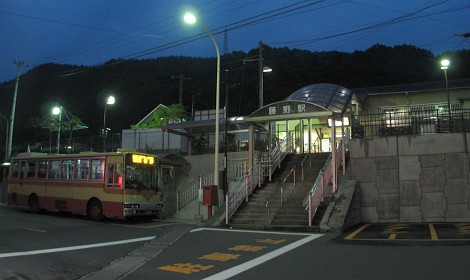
(110, 101)
(444, 65)
(58, 111)
(191, 19)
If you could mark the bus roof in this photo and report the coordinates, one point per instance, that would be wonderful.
(87, 153)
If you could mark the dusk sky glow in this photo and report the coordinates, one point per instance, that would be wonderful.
(90, 32)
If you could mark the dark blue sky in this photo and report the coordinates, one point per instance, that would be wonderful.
(91, 32)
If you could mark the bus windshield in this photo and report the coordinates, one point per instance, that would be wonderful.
(141, 177)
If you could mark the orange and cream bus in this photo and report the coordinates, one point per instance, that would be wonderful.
(115, 185)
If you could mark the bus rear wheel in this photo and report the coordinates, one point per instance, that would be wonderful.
(34, 204)
(95, 210)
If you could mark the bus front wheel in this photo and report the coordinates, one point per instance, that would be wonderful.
(95, 210)
(34, 204)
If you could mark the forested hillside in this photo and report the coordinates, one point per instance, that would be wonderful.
(140, 85)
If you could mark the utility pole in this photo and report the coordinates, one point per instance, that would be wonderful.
(260, 65)
(12, 117)
(182, 79)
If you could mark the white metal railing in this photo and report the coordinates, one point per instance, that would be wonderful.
(317, 193)
(277, 156)
(265, 165)
(254, 177)
(184, 197)
(280, 188)
(236, 168)
(245, 187)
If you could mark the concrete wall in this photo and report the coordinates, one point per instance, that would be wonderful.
(421, 178)
(202, 165)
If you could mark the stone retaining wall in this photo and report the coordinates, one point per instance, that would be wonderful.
(421, 178)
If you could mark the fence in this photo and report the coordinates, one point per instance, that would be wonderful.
(409, 122)
(242, 192)
(184, 197)
(316, 195)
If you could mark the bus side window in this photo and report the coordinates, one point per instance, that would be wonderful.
(82, 169)
(53, 173)
(97, 166)
(67, 169)
(113, 177)
(42, 169)
(22, 169)
(31, 169)
(15, 170)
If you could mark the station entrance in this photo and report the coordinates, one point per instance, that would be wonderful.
(314, 119)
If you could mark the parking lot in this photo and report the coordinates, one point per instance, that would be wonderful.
(410, 232)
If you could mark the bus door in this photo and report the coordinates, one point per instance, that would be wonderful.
(113, 178)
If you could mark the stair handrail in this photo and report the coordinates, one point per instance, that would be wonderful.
(187, 195)
(245, 187)
(277, 155)
(279, 187)
(316, 194)
(309, 155)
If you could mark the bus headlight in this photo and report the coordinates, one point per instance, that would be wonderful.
(129, 205)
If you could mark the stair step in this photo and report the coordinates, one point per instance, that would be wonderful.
(260, 221)
(291, 217)
(292, 214)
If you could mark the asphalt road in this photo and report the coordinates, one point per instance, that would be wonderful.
(213, 254)
(53, 246)
(60, 246)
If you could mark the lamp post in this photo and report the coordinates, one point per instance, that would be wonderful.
(444, 65)
(58, 111)
(110, 101)
(191, 19)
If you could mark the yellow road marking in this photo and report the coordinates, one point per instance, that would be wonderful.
(185, 268)
(356, 232)
(247, 248)
(395, 228)
(433, 232)
(220, 257)
(463, 228)
(270, 241)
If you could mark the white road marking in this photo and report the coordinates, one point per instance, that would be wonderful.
(72, 248)
(34, 229)
(250, 231)
(262, 259)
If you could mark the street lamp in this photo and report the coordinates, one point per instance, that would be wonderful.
(58, 111)
(110, 101)
(191, 19)
(444, 65)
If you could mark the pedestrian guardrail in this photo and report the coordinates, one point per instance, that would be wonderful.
(184, 197)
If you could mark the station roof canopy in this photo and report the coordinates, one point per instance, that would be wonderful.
(315, 100)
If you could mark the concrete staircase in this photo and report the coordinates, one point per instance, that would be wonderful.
(264, 209)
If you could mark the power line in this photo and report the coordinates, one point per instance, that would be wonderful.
(80, 26)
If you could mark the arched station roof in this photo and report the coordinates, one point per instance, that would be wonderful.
(329, 96)
(314, 100)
